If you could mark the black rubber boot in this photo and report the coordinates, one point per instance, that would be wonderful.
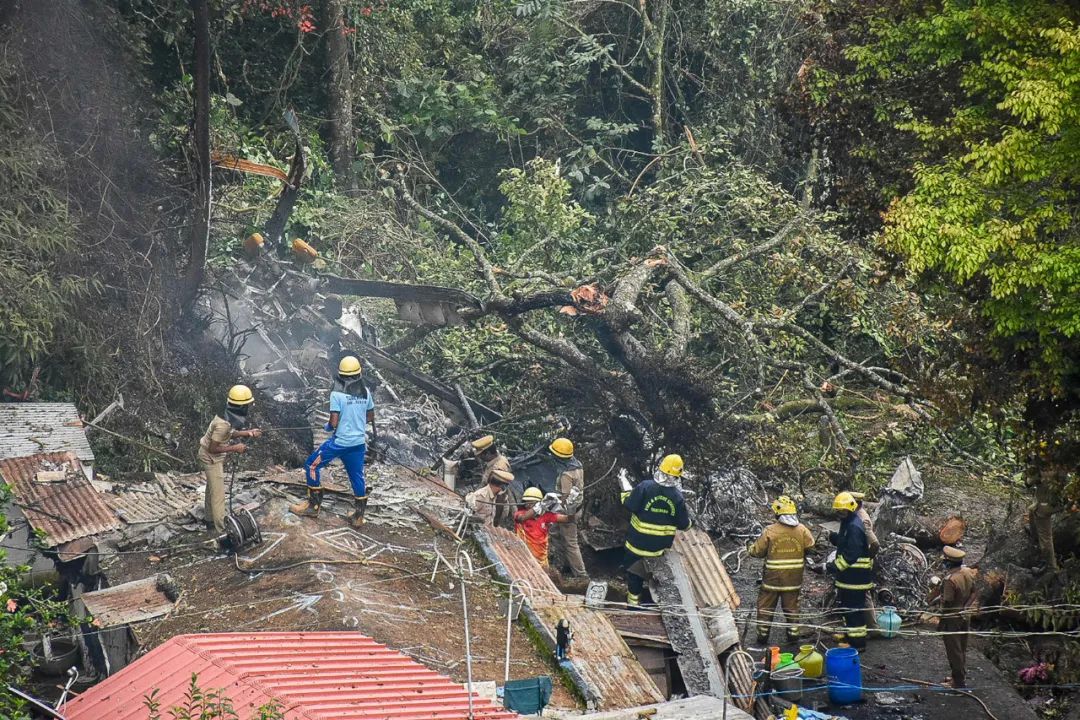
(357, 518)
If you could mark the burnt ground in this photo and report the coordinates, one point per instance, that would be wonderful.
(920, 658)
(376, 581)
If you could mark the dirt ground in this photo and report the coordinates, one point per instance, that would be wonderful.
(320, 574)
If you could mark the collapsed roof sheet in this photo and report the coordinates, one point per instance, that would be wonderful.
(316, 676)
(602, 657)
(65, 509)
(712, 586)
(34, 428)
(130, 602)
(519, 564)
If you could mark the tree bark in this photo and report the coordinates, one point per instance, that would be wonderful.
(200, 226)
(339, 70)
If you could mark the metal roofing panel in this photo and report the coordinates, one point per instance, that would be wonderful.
(130, 602)
(146, 502)
(712, 586)
(699, 707)
(602, 657)
(316, 676)
(63, 510)
(639, 625)
(34, 428)
(519, 563)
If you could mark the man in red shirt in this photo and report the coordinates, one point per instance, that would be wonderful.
(533, 524)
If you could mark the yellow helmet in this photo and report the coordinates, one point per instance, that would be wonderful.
(533, 493)
(240, 395)
(784, 505)
(845, 501)
(562, 447)
(672, 465)
(349, 366)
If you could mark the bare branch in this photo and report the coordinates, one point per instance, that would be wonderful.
(759, 249)
(820, 292)
(680, 323)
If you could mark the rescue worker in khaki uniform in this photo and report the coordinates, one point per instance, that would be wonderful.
(956, 593)
(490, 458)
(657, 510)
(853, 568)
(783, 545)
(490, 504)
(216, 443)
(570, 487)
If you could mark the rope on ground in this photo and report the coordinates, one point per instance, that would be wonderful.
(133, 441)
(954, 691)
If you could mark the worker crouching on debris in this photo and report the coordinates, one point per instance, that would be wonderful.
(489, 503)
(853, 568)
(956, 593)
(570, 485)
(657, 512)
(215, 445)
(490, 458)
(352, 411)
(533, 523)
(783, 545)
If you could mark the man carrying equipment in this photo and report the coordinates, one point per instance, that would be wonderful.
(657, 510)
(570, 486)
(352, 410)
(853, 568)
(533, 523)
(490, 458)
(956, 593)
(783, 545)
(215, 444)
(490, 504)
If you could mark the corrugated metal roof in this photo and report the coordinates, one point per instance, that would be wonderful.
(515, 557)
(602, 657)
(34, 428)
(712, 586)
(130, 602)
(150, 502)
(63, 510)
(316, 676)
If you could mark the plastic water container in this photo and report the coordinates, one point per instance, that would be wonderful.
(787, 682)
(785, 660)
(844, 673)
(888, 621)
(811, 661)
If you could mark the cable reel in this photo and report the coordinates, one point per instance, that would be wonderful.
(242, 531)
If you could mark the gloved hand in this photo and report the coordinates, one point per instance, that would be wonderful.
(328, 428)
(551, 503)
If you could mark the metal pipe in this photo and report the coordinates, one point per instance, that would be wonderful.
(727, 663)
(509, 620)
(464, 556)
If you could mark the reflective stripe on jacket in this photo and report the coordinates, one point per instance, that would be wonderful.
(854, 566)
(657, 512)
(784, 549)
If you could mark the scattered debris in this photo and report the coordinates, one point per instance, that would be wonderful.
(728, 502)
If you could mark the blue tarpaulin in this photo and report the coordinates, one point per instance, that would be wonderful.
(527, 697)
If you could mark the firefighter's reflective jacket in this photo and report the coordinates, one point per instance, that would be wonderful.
(657, 512)
(784, 549)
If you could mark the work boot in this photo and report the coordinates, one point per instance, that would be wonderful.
(311, 506)
(357, 518)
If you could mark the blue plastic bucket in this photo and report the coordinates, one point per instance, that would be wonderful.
(844, 674)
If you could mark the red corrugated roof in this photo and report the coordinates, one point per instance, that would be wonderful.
(316, 676)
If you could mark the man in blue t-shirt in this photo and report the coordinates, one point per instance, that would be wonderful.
(352, 410)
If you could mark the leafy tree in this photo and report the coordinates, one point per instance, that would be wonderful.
(994, 198)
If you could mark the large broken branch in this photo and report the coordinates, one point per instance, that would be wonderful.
(399, 291)
(680, 321)
(759, 249)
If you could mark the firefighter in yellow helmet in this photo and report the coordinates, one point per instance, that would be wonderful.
(853, 568)
(783, 545)
(570, 486)
(533, 522)
(216, 443)
(352, 413)
(657, 511)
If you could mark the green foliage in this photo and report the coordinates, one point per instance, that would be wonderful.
(994, 202)
(38, 286)
(202, 704)
(25, 614)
